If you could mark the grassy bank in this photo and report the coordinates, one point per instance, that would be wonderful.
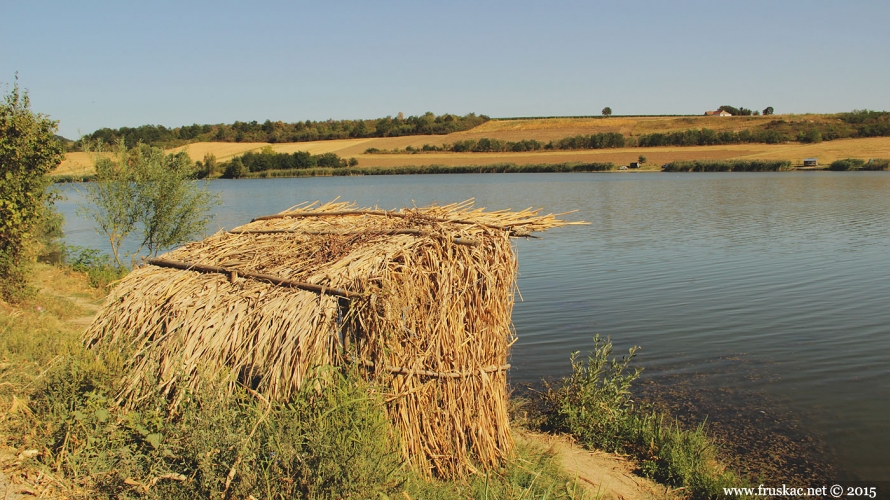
(332, 441)
(70, 438)
(594, 404)
(499, 168)
(860, 164)
(728, 166)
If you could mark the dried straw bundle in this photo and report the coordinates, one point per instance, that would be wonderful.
(421, 299)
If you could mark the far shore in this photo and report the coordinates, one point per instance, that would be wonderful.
(80, 165)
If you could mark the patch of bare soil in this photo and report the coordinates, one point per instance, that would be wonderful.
(605, 476)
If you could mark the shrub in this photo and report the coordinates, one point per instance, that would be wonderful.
(728, 166)
(847, 164)
(877, 164)
(595, 405)
(28, 151)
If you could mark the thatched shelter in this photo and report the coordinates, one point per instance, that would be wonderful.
(420, 299)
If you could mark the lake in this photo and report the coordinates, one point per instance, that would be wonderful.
(758, 299)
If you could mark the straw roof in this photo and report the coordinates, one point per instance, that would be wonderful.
(419, 298)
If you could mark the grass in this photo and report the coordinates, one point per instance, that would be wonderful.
(333, 440)
(78, 165)
(594, 404)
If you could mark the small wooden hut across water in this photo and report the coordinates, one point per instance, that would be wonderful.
(420, 299)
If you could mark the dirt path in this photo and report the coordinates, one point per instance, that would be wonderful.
(605, 476)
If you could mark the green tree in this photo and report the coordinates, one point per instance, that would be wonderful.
(607, 111)
(209, 167)
(641, 159)
(28, 151)
(235, 169)
(768, 110)
(146, 193)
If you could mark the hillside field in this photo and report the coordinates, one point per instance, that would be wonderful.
(546, 129)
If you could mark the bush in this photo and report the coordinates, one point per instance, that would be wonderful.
(847, 164)
(877, 164)
(595, 405)
(28, 151)
(728, 166)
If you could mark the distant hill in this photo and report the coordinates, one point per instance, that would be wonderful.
(279, 132)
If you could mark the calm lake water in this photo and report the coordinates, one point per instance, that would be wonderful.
(761, 294)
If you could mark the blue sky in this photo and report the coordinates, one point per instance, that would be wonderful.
(93, 64)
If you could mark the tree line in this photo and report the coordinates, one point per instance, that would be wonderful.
(860, 123)
(278, 131)
(267, 159)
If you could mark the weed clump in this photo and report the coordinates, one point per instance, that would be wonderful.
(594, 404)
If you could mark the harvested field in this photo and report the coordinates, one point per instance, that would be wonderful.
(420, 300)
(826, 152)
(546, 129)
(557, 128)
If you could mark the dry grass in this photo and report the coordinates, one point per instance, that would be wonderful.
(76, 164)
(431, 320)
(826, 152)
(554, 128)
(546, 129)
(222, 150)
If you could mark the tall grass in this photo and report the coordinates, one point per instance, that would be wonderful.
(595, 405)
(728, 166)
(332, 440)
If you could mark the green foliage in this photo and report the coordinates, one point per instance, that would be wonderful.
(497, 168)
(809, 136)
(274, 132)
(144, 191)
(235, 169)
(868, 123)
(641, 159)
(594, 402)
(595, 405)
(607, 111)
(847, 164)
(268, 159)
(728, 166)
(209, 167)
(877, 164)
(28, 151)
(98, 267)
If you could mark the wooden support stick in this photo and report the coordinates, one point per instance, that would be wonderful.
(202, 268)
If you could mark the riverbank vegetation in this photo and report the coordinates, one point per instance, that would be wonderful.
(860, 164)
(144, 194)
(728, 166)
(595, 405)
(498, 168)
(64, 434)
